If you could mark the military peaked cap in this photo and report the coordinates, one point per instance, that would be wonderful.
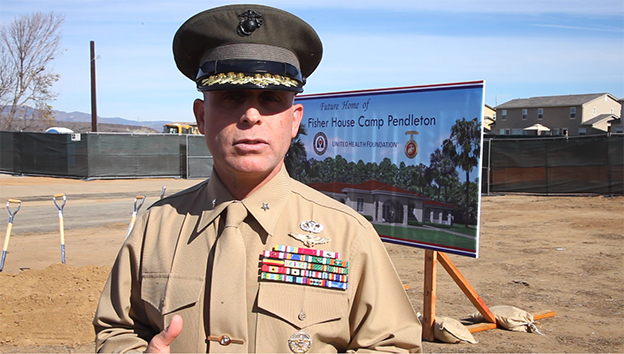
(247, 46)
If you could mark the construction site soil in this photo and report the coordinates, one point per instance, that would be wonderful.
(538, 253)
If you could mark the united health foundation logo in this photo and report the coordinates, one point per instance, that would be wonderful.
(411, 147)
(320, 143)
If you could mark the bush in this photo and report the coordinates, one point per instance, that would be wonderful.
(414, 223)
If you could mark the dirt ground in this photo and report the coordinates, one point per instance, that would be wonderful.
(538, 253)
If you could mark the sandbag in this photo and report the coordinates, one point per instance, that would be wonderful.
(509, 317)
(450, 330)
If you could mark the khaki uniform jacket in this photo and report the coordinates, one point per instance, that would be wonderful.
(164, 269)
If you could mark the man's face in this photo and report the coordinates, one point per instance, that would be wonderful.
(248, 132)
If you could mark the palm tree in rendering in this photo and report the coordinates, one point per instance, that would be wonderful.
(463, 147)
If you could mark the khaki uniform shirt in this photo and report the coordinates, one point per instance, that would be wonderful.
(164, 269)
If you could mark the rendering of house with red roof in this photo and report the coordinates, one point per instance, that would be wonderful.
(385, 203)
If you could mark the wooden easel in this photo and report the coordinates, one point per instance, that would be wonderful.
(431, 264)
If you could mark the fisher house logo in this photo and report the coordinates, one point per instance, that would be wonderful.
(411, 147)
(320, 143)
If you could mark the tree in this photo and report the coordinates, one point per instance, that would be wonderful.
(295, 159)
(27, 47)
(463, 147)
(442, 171)
(387, 172)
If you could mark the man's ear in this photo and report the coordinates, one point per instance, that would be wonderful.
(198, 110)
(297, 117)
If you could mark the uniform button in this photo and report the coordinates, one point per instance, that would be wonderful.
(302, 316)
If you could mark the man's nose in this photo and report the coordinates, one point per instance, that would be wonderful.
(251, 116)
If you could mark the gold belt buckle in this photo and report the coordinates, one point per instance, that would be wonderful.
(225, 339)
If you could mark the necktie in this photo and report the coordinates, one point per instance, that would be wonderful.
(228, 304)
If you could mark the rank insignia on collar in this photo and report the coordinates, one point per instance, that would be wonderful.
(310, 240)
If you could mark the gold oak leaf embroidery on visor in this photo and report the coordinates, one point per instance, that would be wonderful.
(242, 79)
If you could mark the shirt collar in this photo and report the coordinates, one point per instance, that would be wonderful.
(265, 204)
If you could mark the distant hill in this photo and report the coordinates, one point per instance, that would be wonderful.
(80, 122)
(76, 117)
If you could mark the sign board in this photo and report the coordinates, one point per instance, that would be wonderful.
(408, 159)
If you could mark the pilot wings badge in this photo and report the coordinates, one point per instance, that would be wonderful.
(310, 240)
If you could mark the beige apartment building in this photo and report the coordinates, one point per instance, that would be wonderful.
(568, 115)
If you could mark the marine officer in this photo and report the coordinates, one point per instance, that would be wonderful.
(251, 260)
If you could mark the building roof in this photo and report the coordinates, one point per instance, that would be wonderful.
(374, 185)
(552, 101)
(432, 202)
(370, 185)
(335, 187)
(598, 119)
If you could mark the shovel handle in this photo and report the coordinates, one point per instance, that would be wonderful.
(6, 245)
(60, 195)
(8, 208)
(138, 202)
(7, 237)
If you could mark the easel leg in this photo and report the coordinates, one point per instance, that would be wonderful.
(429, 305)
(463, 284)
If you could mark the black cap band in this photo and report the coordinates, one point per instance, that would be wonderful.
(244, 73)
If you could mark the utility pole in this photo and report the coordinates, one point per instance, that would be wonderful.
(93, 100)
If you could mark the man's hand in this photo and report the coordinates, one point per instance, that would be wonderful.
(161, 342)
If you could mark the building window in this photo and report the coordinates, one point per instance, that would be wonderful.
(619, 129)
(501, 131)
(360, 205)
(556, 131)
(524, 114)
(517, 132)
(540, 113)
(594, 111)
(504, 114)
(582, 131)
(572, 112)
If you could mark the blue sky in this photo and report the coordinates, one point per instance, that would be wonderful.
(521, 48)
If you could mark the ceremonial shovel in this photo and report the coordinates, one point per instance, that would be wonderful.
(9, 227)
(61, 223)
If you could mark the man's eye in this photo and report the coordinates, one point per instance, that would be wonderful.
(231, 96)
(271, 97)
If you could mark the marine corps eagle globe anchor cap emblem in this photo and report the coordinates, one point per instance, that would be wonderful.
(251, 21)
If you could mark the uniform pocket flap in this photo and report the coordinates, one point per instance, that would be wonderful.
(169, 292)
(301, 305)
